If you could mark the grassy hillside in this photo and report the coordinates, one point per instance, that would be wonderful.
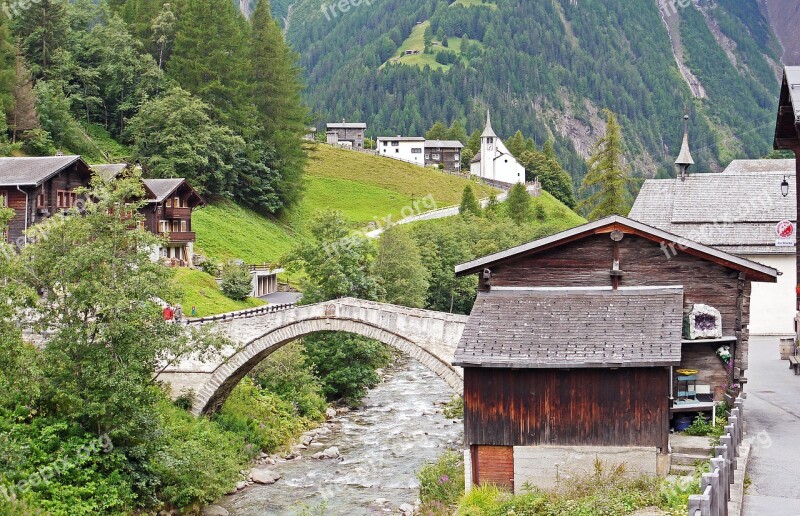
(201, 291)
(363, 187)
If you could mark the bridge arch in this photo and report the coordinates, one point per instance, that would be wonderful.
(429, 337)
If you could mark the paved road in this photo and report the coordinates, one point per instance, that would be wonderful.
(279, 298)
(772, 413)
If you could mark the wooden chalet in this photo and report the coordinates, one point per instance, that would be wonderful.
(37, 188)
(168, 213)
(446, 153)
(787, 130)
(574, 344)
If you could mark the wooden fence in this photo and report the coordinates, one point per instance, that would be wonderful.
(716, 486)
(242, 314)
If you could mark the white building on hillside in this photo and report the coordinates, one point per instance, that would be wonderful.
(494, 162)
(404, 148)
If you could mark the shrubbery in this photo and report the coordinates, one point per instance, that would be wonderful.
(236, 281)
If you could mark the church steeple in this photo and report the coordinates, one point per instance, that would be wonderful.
(488, 132)
(685, 160)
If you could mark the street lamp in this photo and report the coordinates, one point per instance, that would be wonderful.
(785, 187)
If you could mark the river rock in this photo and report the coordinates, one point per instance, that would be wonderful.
(307, 439)
(331, 453)
(214, 510)
(241, 485)
(330, 413)
(318, 456)
(406, 509)
(265, 476)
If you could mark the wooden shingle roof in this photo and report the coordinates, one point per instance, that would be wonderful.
(573, 328)
(34, 171)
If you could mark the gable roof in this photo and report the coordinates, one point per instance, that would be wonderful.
(35, 170)
(573, 328)
(401, 138)
(347, 125)
(109, 171)
(735, 211)
(448, 144)
(754, 271)
(160, 189)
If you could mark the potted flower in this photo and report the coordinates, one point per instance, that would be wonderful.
(724, 353)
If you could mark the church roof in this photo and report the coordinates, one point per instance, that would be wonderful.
(488, 132)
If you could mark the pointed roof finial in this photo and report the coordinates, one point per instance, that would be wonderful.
(685, 157)
(488, 132)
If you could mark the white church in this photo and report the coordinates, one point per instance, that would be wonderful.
(494, 162)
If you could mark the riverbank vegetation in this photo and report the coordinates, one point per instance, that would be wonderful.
(85, 425)
(605, 489)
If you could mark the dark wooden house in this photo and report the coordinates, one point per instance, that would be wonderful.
(574, 343)
(787, 129)
(350, 134)
(446, 153)
(38, 188)
(168, 213)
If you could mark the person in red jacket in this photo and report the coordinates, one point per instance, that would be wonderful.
(168, 313)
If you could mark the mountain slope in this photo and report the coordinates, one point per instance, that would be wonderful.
(548, 68)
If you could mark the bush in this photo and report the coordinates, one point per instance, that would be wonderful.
(262, 420)
(197, 461)
(210, 266)
(236, 281)
(289, 374)
(442, 482)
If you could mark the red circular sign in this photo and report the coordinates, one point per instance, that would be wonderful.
(785, 229)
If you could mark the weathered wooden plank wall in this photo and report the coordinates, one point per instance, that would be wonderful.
(588, 407)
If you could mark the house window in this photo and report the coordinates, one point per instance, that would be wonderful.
(176, 226)
(169, 203)
(427, 156)
(456, 157)
(397, 151)
(177, 202)
(184, 226)
(395, 144)
(435, 156)
(385, 143)
(40, 200)
(66, 199)
(416, 150)
(162, 226)
(3, 199)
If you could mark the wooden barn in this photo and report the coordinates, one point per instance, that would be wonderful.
(589, 342)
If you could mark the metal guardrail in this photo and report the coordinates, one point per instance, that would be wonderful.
(241, 314)
(716, 486)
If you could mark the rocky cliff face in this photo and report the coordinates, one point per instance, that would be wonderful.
(784, 16)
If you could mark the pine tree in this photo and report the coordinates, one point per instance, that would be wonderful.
(438, 131)
(400, 270)
(516, 144)
(519, 204)
(457, 132)
(23, 116)
(469, 204)
(42, 31)
(210, 60)
(277, 85)
(608, 177)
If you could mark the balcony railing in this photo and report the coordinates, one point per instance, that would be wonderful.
(177, 213)
(179, 237)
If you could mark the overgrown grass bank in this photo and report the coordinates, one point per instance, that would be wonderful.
(604, 490)
(200, 290)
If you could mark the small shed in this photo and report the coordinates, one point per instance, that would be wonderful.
(574, 342)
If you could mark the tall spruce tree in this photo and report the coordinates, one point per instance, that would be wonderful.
(276, 87)
(210, 60)
(606, 183)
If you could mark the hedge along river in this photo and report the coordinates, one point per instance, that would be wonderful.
(383, 444)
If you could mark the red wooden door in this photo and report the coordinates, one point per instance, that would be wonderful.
(493, 465)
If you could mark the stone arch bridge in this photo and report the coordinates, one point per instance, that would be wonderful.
(429, 337)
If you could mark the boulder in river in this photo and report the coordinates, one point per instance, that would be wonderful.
(406, 509)
(330, 413)
(264, 476)
(214, 510)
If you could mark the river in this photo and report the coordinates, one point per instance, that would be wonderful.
(383, 444)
